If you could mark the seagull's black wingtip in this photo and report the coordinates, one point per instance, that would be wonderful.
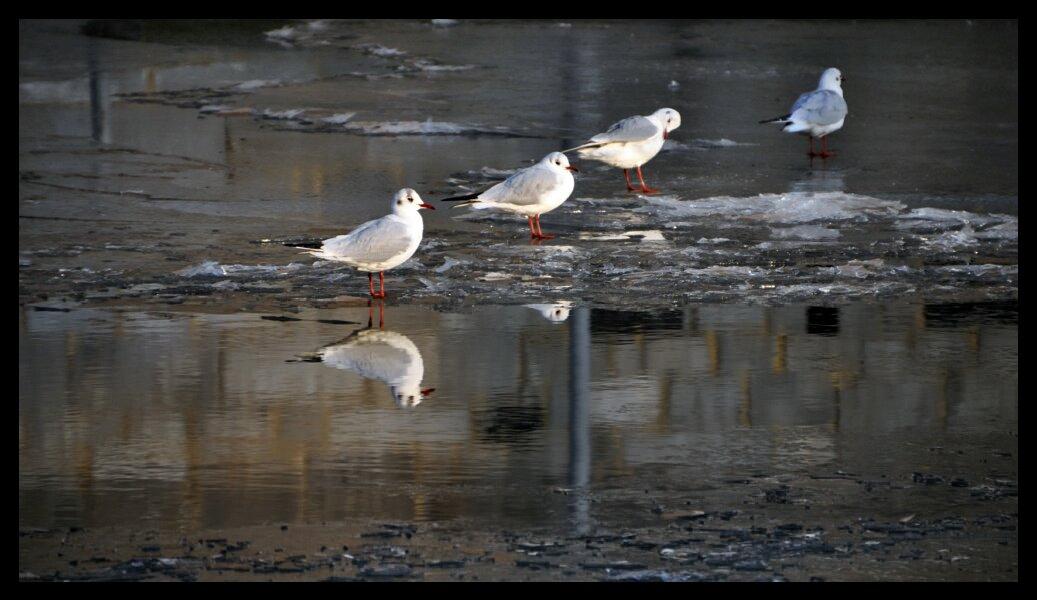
(457, 198)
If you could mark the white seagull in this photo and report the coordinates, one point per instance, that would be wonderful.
(631, 143)
(556, 312)
(817, 113)
(530, 192)
(387, 356)
(381, 244)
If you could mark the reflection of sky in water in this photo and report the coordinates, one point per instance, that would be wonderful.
(204, 409)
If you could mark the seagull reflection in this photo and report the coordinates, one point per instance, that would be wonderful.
(387, 356)
(556, 312)
(819, 180)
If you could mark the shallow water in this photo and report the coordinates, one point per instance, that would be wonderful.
(180, 421)
(847, 327)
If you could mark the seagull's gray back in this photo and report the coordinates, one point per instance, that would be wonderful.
(630, 129)
(524, 187)
(373, 242)
(820, 107)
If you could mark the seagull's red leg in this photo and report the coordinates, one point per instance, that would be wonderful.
(630, 188)
(644, 188)
(532, 229)
(381, 284)
(370, 284)
(824, 148)
(540, 232)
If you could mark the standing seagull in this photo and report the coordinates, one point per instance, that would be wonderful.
(379, 245)
(631, 143)
(817, 113)
(530, 192)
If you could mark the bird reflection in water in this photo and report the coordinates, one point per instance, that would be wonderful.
(556, 312)
(387, 356)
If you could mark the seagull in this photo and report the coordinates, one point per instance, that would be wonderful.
(818, 113)
(556, 312)
(631, 143)
(387, 356)
(530, 192)
(381, 244)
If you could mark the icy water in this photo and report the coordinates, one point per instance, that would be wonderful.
(184, 148)
(769, 333)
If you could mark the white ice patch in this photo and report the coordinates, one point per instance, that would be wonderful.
(255, 84)
(339, 118)
(429, 66)
(283, 115)
(211, 268)
(940, 218)
(794, 207)
(722, 271)
(953, 240)
(651, 235)
(428, 127)
(380, 50)
(721, 143)
(495, 276)
(1003, 231)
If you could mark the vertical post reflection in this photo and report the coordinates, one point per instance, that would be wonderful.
(579, 421)
(96, 101)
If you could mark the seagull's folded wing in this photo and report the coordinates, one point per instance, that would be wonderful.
(528, 186)
(373, 242)
(820, 107)
(372, 357)
(631, 129)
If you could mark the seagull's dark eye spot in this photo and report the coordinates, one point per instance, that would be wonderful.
(411, 398)
(399, 202)
(558, 312)
(411, 199)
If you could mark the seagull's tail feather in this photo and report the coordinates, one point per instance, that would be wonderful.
(781, 119)
(311, 248)
(469, 199)
(584, 146)
(306, 245)
(456, 198)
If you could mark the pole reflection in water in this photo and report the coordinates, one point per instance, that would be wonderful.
(579, 418)
(97, 106)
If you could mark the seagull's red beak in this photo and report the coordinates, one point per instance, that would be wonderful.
(573, 169)
(428, 391)
(427, 205)
(666, 134)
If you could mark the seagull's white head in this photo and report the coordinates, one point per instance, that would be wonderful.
(408, 201)
(831, 79)
(556, 313)
(409, 396)
(668, 119)
(558, 162)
